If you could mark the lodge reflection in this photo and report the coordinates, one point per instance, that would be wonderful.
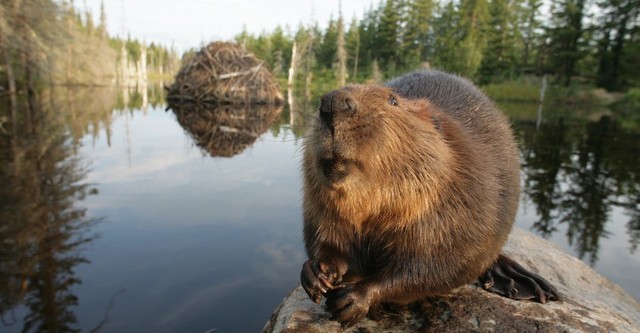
(225, 130)
(576, 173)
(43, 227)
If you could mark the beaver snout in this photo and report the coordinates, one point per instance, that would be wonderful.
(335, 169)
(334, 104)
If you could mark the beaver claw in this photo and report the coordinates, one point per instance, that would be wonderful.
(348, 304)
(317, 278)
(507, 278)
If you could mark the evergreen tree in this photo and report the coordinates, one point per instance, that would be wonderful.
(281, 49)
(89, 23)
(630, 56)
(618, 23)
(416, 35)
(352, 45)
(529, 26)
(566, 36)
(341, 53)
(474, 16)
(446, 37)
(368, 38)
(326, 52)
(102, 26)
(262, 48)
(388, 41)
(499, 59)
(244, 38)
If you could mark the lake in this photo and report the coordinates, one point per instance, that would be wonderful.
(120, 216)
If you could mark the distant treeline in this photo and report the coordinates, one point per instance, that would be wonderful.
(46, 42)
(488, 40)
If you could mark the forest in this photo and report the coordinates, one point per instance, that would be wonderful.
(596, 42)
(47, 43)
(592, 41)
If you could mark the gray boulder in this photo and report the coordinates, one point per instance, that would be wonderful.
(591, 303)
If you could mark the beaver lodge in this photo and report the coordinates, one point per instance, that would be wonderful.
(224, 73)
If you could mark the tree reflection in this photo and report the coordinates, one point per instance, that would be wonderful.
(575, 174)
(42, 226)
(543, 155)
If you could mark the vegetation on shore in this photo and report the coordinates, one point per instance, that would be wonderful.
(506, 46)
(490, 41)
(47, 42)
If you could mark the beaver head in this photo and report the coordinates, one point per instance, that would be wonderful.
(367, 148)
(370, 133)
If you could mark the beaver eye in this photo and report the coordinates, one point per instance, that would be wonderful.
(393, 101)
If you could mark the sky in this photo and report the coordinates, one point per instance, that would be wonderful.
(192, 23)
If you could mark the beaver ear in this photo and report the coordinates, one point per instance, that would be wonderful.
(393, 101)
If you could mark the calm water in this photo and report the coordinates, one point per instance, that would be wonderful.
(120, 216)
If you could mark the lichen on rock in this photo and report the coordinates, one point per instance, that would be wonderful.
(591, 303)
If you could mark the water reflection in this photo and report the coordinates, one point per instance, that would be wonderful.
(43, 227)
(225, 130)
(576, 172)
(140, 96)
(220, 238)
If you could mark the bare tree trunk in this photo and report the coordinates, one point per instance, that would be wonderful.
(307, 85)
(541, 103)
(12, 86)
(292, 107)
(30, 110)
(342, 55)
(376, 75)
(309, 66)
(142, 75)
(355, 60)
(292, 74)
(68, 75)
(294, 64)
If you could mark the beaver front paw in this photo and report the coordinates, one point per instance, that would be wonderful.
(348, 303)
(317, 278)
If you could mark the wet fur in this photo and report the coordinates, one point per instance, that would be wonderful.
(423, 194)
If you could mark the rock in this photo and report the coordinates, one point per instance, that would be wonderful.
(591, 303)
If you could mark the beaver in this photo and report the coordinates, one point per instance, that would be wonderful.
(410, 190)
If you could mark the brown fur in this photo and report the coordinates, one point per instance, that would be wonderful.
(409, 200)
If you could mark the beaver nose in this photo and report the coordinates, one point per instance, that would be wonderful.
(335, 102)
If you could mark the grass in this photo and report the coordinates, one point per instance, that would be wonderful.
(525, 89)
(580, 96)
(628, 108)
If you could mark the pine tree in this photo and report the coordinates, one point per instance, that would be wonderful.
(89, 23)
(102, 26)
(499, 59)
(474, 16)
(446, 38)
(566, 35)
(387, 42)
(368, 38)
(352, 45)
(618, 23)
(281, 45)
(529, 26)
(341, 52)
(326, 52)
(415, 40)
